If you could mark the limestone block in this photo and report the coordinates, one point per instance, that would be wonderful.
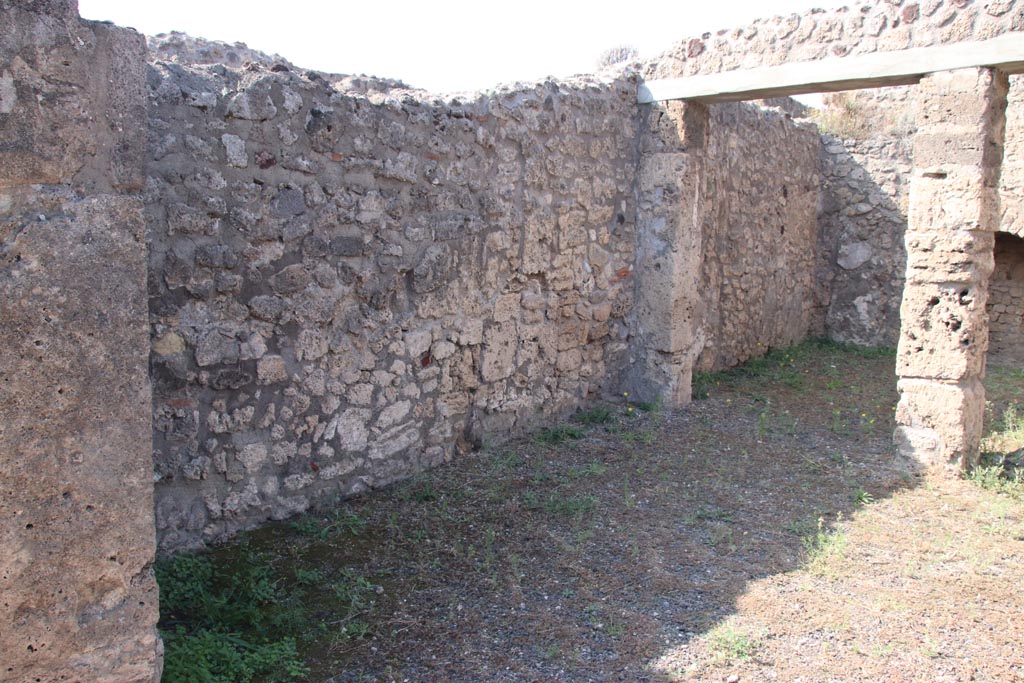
(252, 456)
(234, 147)
(940, 423)
(972, 98)
(944, 333)
(949, 145)
(507, 307)
(271, 370)
(393, 414)
(217, 346)
(854, 255)
(948, 197)
(417, 343)
(569, 361)
(663, 170)
(76, 514)
(393, 444)
(471, 331)
(72, 98)
(954, 256)
(352, 432)
(498, 357)
(538, 234)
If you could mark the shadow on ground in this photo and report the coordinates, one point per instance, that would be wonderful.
(763, 532)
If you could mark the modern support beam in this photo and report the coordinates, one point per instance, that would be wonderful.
(903, 67)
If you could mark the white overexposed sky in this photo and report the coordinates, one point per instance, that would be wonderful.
(443, 46)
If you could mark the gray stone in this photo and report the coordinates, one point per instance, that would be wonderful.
(853, 256)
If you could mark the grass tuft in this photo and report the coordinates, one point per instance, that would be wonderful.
(559, 434)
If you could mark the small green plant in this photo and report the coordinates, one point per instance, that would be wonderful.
(227, 625)
(353, 589)
(421, 490)
(308, 577)
(570, 506)
(728, 644)
(628, 497)
(702, 384)
(862, 497)
(824, 547)
(867, 424)
(995, 473)
(559, 434)
(614, 628)
(508, 461)
(316, 527)
(801, 527)
(648, 406)
(595, 416)
(307, 525)
(837, 425)
(712, 513)
(590, 469)
(1013, 424)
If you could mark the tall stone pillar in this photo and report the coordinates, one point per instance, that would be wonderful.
(670, 193)
(77, 597)
(954, 211)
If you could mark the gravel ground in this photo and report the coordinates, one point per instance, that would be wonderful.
(764, 533)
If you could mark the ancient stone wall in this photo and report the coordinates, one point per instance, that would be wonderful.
(1011, 181)
(1006, 301)
(885, 25)
(349, 282)
(866, 166)
(77, 597)
(759, 284)
(868, 162)
(868, 152)
(347, 290)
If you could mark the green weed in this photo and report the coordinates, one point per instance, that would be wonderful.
(559, 434)
(339, 521)
(862, 497)
(728, 644)
(590, 469)
(824, 547)
(228, 625)
(595, 416)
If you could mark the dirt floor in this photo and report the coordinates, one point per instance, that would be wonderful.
(764, 533)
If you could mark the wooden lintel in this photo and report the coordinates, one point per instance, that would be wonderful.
(900, 67)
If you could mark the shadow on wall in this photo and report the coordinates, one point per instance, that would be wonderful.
(866, 164)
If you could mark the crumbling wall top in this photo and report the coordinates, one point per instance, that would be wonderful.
(881, 26)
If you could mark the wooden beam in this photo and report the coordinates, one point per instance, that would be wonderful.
(901, 67)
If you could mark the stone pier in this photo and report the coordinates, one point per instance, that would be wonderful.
(77, 540)
(670, 201)
(954, 211)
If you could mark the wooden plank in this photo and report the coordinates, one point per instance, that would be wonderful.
(901, 67)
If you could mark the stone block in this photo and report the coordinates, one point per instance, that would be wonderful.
(944, 333)
(352, 433)
(947, 197)
(76, 514)
(499, 352)
(940, 424)
(271, 370)
(72, 100)
(953, 256)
